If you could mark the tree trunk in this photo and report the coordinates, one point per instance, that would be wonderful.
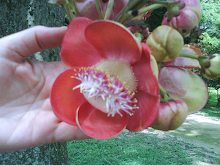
(16, 16)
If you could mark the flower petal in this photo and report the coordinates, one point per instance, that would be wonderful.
(147, 81)
(113, 41)
(146, 114)
(75, 50)
(97, 124)
(64, 100)
(184, 62)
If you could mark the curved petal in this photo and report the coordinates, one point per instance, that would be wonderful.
(184, 62)
(182, 84)
(75, 50)
(113, 41)
(64, 100)
(97, 124)
(146, 114)
(147, 81)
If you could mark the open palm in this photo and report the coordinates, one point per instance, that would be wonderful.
(26, 117)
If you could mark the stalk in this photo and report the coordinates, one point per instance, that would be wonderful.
(197, 57)
(68, 11)
(109, 9)
(123, 12)
(98, 5)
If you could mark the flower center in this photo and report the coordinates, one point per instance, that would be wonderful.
(105, 91)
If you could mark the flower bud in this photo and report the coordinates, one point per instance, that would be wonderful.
(189, 17)
(182, 84)
(165, 43)
(211, 66)
(171, 115)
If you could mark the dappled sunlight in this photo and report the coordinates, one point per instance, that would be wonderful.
(203, 119)
(193, 133)
(200, 130)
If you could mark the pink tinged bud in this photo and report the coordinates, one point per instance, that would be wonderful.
(211, 66)
(171, 115)
(182, 84)
(193, 5)
(186, 62)
(189, 17)
(165, 43)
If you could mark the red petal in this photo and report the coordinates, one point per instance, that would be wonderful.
(97, 125)
(75, 50)
(146, 114)
(113, 41)
(147, 81)
(64, 100)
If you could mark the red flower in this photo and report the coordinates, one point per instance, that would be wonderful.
(110, 85)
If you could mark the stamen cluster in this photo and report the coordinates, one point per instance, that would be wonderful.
(98, 84)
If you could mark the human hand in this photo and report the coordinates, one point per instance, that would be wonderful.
(26, 117)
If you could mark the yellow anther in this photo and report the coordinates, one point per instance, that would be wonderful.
(135, 100)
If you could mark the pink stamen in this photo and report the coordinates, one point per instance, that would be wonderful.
(98, 84)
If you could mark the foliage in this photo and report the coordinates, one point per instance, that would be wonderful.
(210, 25)
(211, 109)
(210, 29)
(156, 18)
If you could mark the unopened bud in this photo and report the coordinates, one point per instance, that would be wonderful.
(165, 43)
(211, 66)
(171, 115)
(189, 17)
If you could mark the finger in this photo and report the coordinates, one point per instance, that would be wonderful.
(32, 40)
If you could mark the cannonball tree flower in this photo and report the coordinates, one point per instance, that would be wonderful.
(110, 85)
(188, 18)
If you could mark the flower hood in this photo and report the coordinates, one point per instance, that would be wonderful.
(86, 46)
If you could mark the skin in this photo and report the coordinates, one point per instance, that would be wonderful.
(26, 117)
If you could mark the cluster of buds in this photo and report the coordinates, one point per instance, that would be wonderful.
(182, 91)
